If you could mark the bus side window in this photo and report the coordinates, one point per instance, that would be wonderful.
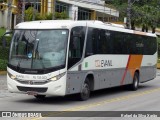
(89, 44)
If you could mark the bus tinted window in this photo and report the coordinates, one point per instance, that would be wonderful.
(135, 44)
(150, 45)
(90, 43)
(101, 41)
(119, 43)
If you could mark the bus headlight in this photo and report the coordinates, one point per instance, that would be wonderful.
(57, 77)
(12, 76)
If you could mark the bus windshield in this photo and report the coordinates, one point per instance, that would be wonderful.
(38, 49)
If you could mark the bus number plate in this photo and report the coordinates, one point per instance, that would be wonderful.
(31, 93)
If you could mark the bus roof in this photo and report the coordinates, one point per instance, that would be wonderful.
(68, 24)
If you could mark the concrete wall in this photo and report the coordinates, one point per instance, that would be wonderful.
(3, 19)
(93, 6)
(73, 12)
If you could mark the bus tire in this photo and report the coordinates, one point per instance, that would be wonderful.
(85, 92)
(40, 96)
(134, 86)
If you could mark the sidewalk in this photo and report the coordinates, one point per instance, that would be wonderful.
(3, 82)
(4, 93)
(3, 88)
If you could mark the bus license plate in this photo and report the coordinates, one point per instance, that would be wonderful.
(31, 93)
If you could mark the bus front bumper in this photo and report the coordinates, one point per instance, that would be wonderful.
(54, 88)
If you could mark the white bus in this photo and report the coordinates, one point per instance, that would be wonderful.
(62, 57)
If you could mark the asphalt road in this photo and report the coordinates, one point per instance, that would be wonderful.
(146, 98)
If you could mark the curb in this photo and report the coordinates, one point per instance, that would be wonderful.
(3, 72)
(158, 65)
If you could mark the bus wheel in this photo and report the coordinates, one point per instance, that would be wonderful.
(85, 92)
(134, 86)
(40, 96)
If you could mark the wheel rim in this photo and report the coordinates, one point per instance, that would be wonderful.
(136, 82)
(85, 91)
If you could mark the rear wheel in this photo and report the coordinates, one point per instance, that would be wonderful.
(134, 86)
(85, 92)
(40, 96)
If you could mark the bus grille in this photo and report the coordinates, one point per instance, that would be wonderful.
(36, 89)
(33, 82)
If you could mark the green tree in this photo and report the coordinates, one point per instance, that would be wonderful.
(146, 16)
(144, 13)
(62, 15)
(29, 14)
(48, 16)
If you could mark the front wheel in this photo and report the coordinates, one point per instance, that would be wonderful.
(134, 86)
(85, 92)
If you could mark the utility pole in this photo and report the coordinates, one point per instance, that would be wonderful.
(23, 10)
(53, 9)
(128, 22)
(9, 15)
(75, 9)
(10, 6)
(104, 12)
(34, 11)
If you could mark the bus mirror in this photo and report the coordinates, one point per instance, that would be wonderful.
(4, 38)
(8, 33)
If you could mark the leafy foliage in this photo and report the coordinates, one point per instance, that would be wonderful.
(61, 15)
(4, 51)
(48, 16)
(144, 13)
(2, 31)
(29, 14)
(146, 16)
(3, 65)
(7, 41)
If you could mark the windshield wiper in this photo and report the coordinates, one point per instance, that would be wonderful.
(22, 57)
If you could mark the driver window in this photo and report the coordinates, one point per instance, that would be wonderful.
(76, 50)
(76, 45)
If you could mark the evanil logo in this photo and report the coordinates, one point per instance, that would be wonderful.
(103, 63)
